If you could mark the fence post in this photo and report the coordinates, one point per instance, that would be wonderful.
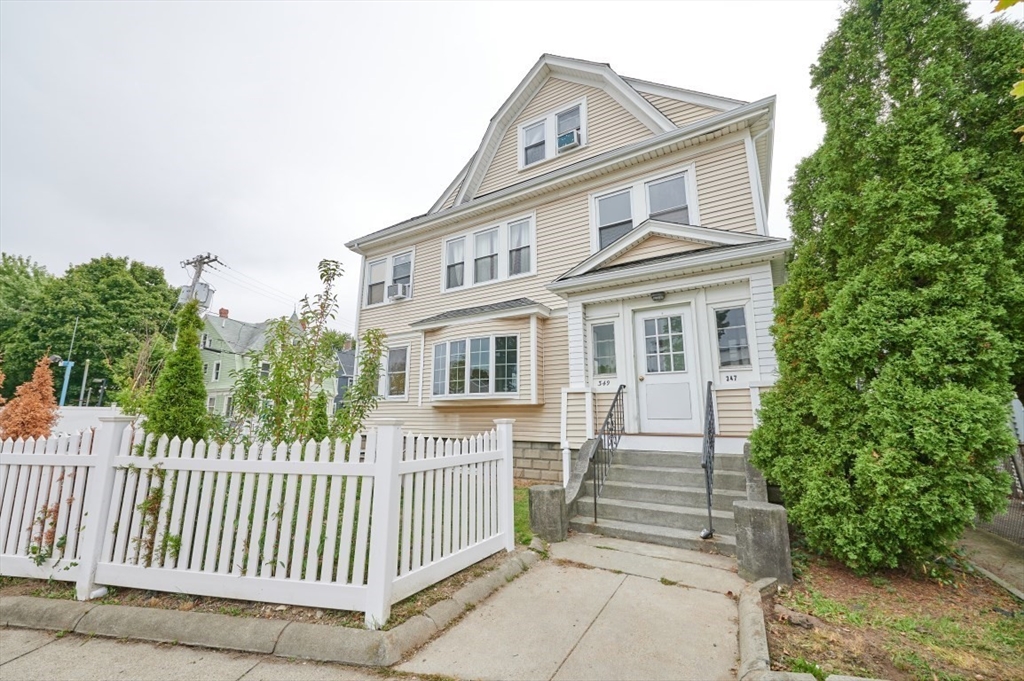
(506, 502)
(383, 563)
(96, 505)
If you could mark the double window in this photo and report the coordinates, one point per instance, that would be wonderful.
(664, 199)
(733, 347)
(491, 254)
(556, 132)
(477, 366)
(383, 273)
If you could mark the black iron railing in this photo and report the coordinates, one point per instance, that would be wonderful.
(707, 459)
(607, 442)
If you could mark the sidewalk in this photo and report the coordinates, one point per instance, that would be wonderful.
(999, 556)
(600, 609)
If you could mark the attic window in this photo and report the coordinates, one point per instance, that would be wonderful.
(533, 141)
(558, 131)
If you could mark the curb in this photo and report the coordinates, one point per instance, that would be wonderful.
(302, 640)
(755, 664)
(998, 580)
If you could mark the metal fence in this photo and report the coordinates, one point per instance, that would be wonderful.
(1010, 525)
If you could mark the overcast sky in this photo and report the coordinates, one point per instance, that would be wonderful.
(270, 134)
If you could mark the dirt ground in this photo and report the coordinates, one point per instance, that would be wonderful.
(948, 625)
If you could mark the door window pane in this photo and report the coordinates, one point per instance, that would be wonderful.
(457, 368)
(375, 275)
(455, 256)
(506, 364)
(397, 358)
(604, 349)
(533, 144)
(733, 348)
(401, 269)
(519, 247)
(614, 217)
(479, 365)
(440, 367)
(663, 344)
(486, 262)
(667, 200)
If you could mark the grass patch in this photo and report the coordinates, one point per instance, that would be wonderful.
(521, 513)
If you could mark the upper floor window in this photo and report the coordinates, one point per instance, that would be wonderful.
(668, 198)
(556, 132)
(733, 347)
(216, 371)
(494, 253)
(265, 370)
(614, 217)
(477, 366)
(389, 278)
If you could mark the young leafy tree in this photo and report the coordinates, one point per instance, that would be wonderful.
(33, 410)
(896, 333)
(362, 396)
(178, 404)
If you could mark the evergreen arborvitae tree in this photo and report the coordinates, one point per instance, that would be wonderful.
(178, 405)
(896, 331)
(32, 412)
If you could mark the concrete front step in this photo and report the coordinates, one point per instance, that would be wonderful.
(693, 497)
(635, 457)
(658, 515)
(664, 536)
(677, 477)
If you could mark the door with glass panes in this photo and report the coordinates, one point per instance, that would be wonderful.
(667, 383)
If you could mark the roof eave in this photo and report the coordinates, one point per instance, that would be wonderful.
(537, 309)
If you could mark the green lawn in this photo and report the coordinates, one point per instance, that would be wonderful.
(522, 515)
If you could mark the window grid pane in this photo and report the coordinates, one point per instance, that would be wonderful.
(457, 368)
(663, 344)
(440, 368)
(506, 364)
(479, 365)
(733, 347)
(604, 349)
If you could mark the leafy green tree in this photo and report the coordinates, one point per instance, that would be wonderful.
(178, 404)
(338, 340)
(118, 302)
(363, 395)
(21, 282)
(896, 334)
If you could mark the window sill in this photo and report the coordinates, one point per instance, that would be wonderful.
(558, 154)
(463, 400)
(470, 287)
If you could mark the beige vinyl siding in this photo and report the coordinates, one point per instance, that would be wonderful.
(654, 246)
(735, 413)
(723, 191)
(680, 113)
(602, 403)
(576, 419)
(609, 126)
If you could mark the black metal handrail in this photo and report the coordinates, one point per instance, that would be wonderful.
(607, 442)
(707, 459)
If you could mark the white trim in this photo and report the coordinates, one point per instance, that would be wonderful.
(389, 273)
(594, 379)
(423, 363)
(383, 383)
(689, 96)
(511, 313)
(755, 404)
(550, 121)
(742, 375)
(451, 188)
(588, 404)
(469, 253)
(577, 347)
(602, 163)
(534, 363)
(754, 175)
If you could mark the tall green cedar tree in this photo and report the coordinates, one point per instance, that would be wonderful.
(177, 407)
(899, 329)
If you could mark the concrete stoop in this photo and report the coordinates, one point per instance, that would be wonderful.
(659, 498)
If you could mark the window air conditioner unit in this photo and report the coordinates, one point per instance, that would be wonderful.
(398, 291)
(568, 140)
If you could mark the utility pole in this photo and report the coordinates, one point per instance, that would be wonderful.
(198, 262)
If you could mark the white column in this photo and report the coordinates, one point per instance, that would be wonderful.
(110, 440)
(577, 364)
(506, 513)
(383, 562)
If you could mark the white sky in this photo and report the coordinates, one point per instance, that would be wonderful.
(272, 133)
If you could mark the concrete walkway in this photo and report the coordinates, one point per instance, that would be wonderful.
(31, 655)
(600, 609)
(999, 556)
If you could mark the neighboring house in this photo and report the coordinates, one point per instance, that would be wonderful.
(608, 231)
(346, 373)
(224, 345)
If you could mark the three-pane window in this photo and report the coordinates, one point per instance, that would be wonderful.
(733, 348)
(476, 366)
(518, 247)
(492, 254)
(397, 371)
(614, 217)
(486, 261)
(604, 349)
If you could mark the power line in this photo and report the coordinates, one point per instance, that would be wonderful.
(259, 281)
(269, 295)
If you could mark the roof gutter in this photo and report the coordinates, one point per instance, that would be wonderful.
(598, 162)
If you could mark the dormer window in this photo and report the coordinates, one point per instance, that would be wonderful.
(559, 131)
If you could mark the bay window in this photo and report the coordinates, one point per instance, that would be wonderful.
(491, 366)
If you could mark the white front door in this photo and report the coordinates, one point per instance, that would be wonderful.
(666, 369)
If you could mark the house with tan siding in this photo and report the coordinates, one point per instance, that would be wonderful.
(609, 236)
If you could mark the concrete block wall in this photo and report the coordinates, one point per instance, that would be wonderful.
(541, 461)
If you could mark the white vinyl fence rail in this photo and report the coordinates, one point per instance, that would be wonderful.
(350, 528)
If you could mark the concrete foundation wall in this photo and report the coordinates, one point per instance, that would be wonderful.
(540, 461)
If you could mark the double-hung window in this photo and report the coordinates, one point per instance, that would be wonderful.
(485, 263)
(614, 217)
(216, 371)
(666, 200)
(559, 130)
(383, 277)
(455, 263)
(401, 269)
(567, 123)
(398, 370)
(533, 143)
(733, 347)
(376, 274)
(476, 366)
(518, 247)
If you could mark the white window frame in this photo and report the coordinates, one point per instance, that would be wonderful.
(467, 395)
(639, 201)
(715, 307)
(389, 276)
(383, 384)
(592, 354)
(549, 119)
(469, 253)
(216, 371)
(211, 404)
(206, 370)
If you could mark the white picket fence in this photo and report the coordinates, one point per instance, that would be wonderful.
(325, 525)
